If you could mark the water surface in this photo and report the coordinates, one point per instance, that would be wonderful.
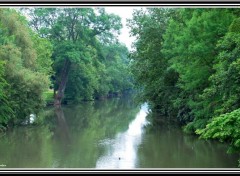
(107, 134)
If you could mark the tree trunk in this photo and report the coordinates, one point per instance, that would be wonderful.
(62, 85)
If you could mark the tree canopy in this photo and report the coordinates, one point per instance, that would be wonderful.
(84, 38)
(23, 63)
(75, 51)
(186, 64)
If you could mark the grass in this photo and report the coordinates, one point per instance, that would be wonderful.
(48, 96)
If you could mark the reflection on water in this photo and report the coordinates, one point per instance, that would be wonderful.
(89, 123)
(122, 151)
(168, 147)
(107, 134)
(62, 132)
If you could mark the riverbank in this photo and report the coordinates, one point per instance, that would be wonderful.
(49, 97)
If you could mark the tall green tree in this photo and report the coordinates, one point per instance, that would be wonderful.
(6, 111)
(224, 91)
(175, 58)
(22, 69)
(192, 51)
(187, 64)
(222, 94)
(149, 65)
(75, 34)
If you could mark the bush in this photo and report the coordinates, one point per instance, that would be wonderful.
(225, 128)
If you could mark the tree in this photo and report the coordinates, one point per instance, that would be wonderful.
(74, 33)
(6, 111)
(21, 73)
(149, 66)
(175, 57)
(224, 90)
(192, 51)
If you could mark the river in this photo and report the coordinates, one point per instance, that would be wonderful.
(107, 134)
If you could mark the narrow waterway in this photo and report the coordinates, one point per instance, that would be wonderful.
(107, 134)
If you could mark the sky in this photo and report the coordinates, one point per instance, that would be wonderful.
(124, 13)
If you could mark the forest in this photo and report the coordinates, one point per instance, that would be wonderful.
(185, 64)
(66, 54)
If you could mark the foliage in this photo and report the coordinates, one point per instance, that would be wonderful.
(21, 68)
(186, 64)
(85, 37)
(200, 33)
(33, 51)
(43, 49)
(188, 68)
(224, 90)
(6, 111)
(225, 128)
(149, 66)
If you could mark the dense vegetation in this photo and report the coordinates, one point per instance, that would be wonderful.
(86, 53)
(24, 60)
(72, 53)
(187, 66)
